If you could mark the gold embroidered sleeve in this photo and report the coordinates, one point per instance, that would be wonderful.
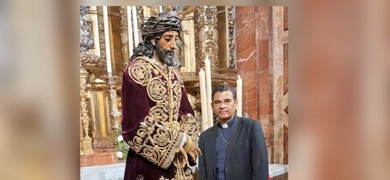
(189, 125)
(156, 142)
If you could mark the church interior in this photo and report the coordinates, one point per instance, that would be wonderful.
(248, 43)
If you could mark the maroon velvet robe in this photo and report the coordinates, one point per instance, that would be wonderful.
(156, 117)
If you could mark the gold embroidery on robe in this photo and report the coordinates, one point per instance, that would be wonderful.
(156, 140)
(158, 135)
(140, 73)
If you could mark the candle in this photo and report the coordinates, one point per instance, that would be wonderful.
(107, 39)
(203, 100)
(208, 91)
(130, 30)
(135, 25)
(239, 96)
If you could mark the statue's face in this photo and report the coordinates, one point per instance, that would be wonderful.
(165, 47)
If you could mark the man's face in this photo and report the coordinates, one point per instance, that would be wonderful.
(165, 47)
(224, 106)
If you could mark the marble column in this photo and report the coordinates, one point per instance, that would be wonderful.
(261, 63)
(252, 49)
(280, 96)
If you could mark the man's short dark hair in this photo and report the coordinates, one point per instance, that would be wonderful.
(224, 87)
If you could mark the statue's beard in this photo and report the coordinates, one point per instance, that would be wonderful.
(167, 56)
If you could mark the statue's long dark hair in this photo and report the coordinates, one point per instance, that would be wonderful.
(146, 47)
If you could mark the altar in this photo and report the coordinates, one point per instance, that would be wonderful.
(246, 47)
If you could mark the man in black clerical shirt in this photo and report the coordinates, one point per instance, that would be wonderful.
(234, 148)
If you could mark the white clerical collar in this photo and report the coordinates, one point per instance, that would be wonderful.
(225, 125)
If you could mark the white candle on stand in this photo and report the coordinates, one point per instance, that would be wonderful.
(208, 91)
(130, 30)
(135, 25)
(203, 100)
(239, 96)
(107, 39)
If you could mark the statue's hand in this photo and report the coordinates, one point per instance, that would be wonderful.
(182, 157)
(192, 149)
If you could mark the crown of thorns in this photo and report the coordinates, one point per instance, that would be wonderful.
(160, 24)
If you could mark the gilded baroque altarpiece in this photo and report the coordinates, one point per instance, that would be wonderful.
(208, 32)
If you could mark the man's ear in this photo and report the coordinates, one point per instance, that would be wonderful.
(153, 42)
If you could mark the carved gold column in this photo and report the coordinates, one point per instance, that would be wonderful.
(124, 36)
(231, 43)
(207, 36)
(86, 141)
(94, 62)
(114, 112)
(204, 23)
(153, 11)
(86, 43)
(140, 18)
